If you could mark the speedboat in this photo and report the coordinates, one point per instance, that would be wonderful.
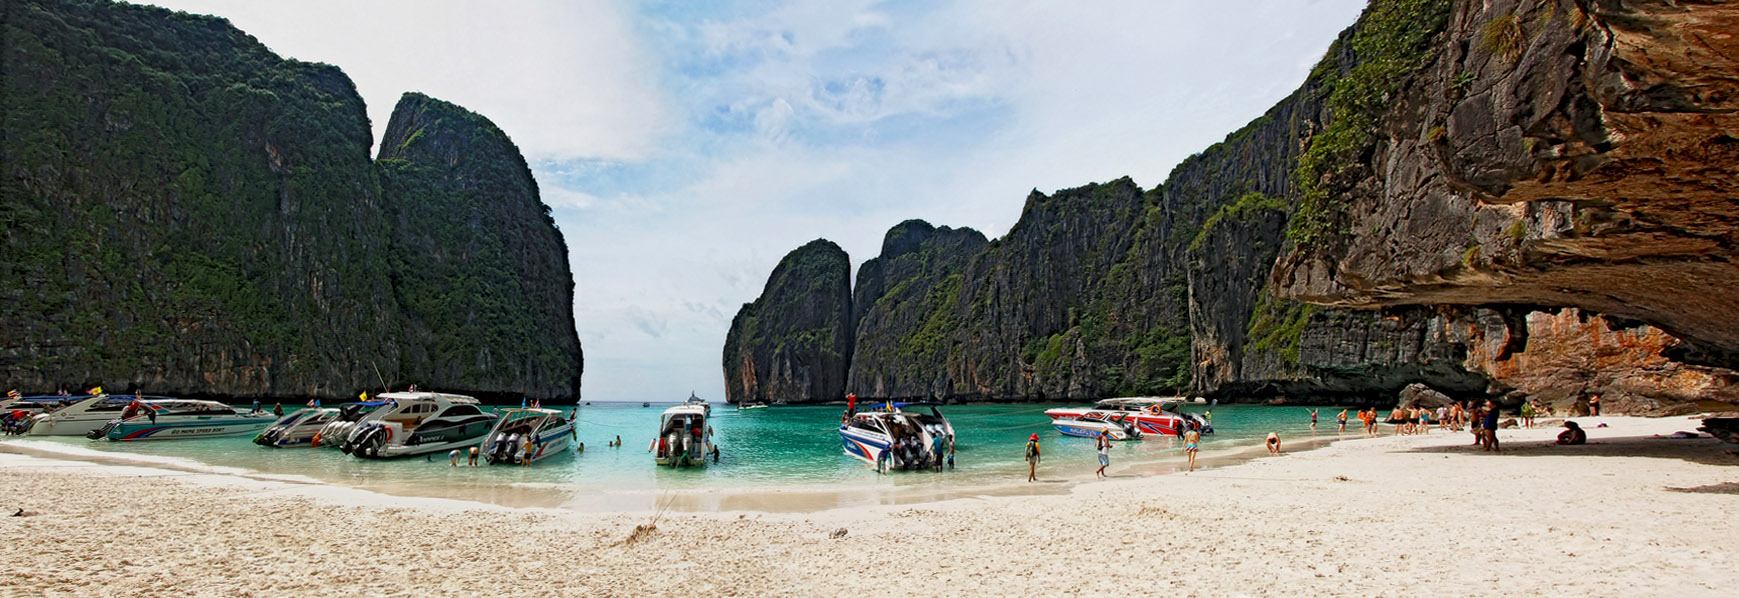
(75, 416)
(1117, 427)
(903, 438)
(684, 438)
(747, 405)
(336, 431)
(1149, 415)
(417, 423)
(297, 428)
(544, 431)
(176, 419)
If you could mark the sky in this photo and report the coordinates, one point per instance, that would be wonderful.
(685, 147)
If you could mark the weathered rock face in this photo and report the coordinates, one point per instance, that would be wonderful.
(478, 267)
(902, 305)
(1571, 355)
(188, 213)
(1552, 153)
(792, 344)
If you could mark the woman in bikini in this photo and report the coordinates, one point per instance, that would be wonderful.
(1191, 441)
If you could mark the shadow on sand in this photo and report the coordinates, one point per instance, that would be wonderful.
(1704, 450)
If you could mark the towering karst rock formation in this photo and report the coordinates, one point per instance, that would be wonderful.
(1450, 176)
(186, 212)
(793, 343)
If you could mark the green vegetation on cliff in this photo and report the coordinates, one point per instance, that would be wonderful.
(1391, 40)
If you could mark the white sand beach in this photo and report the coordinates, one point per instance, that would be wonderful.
(1629, 515)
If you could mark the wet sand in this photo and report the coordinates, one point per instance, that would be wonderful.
(1629, 515)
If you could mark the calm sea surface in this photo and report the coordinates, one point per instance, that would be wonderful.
(778, 449)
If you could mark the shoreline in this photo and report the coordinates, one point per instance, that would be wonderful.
(905, 488)
(1629, 514)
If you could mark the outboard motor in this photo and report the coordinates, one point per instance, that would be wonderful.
(366, 442)
(103, 432)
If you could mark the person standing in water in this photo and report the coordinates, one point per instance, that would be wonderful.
(1104, 445)
(1312, 418)
(1191, 444)
(1342, 418)
(1032, 458)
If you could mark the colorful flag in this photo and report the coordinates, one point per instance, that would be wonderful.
(13, 393)
(95, 390)
(364, 396)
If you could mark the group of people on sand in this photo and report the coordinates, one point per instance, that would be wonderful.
(1192, 440)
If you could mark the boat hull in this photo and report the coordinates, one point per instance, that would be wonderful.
(1089, 429)
(48, 425)
(547, 444)
(1146, 423)
(180, 430)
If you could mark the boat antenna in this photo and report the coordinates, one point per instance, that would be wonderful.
(377, 376)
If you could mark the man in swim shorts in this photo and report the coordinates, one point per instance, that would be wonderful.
(1104, 446)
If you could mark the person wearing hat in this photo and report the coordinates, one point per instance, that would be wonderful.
(1032, 458)
(1103, 443)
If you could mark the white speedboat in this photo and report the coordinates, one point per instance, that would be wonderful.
(904, 438)
(750, 405)
(1117, 427)
(684, 438)
(417, 423)
(545, 432)
(334, 433)
(78, 416)
(176, 419)
(297, 428)
(1148, 414)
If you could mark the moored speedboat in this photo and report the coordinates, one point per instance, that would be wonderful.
(79, 416)
(297, 428)
(684, 438)
(1148, 415)
(418, 423)
(177, 419)
(904, 438)
(750, 405)
(527, 435)
(1117, 427)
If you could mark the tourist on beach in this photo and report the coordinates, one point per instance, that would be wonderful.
(1442, 418)
(1032, 458)
(1192, 440)
(1594, 405)
(1312, 418)
(950, 451)
(1489, 426)
(473, 462)
(1424, 426)
(1572, 434)
(453, 458)
(1342, 419)
(1103, 442)
(1528, 414)
(525, 450)
(1273, 443)
(938, 447)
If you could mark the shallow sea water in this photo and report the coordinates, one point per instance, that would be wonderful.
(775, 459)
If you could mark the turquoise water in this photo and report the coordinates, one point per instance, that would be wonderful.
(784, 448)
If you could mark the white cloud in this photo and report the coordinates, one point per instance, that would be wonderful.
(563, 79)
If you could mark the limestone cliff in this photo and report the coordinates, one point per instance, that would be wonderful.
(1467, 167)
(185, 212)
(1549, 153)
(793, 342)
(477, 265)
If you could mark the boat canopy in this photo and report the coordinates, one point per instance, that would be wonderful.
(890, 406)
